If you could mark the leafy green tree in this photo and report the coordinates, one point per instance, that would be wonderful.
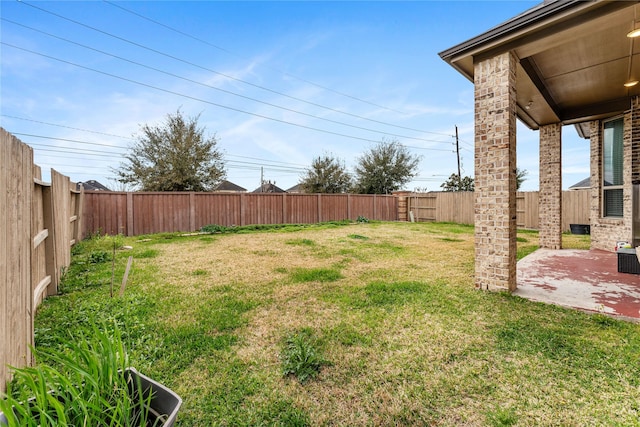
(327, 174)
(385, 168)
(174, 156)
(456, 183)
(466, 183)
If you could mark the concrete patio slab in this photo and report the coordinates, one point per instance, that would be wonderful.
(585, 280)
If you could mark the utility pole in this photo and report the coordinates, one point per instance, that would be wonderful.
(458, 154)
(261, 179)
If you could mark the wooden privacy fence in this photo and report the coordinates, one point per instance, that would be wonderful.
(133, 214)
(458, 207)
(38, 224)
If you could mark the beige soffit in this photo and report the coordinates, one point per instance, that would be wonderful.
(574, 57)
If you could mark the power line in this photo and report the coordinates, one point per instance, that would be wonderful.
(105, 174)
(239, 56)
(231, 164)
(76, 151)
(301, 166)
(186, 96)
(102, 133)
(217, 88)
(429, 149)
(195, 98)
(48, 156)
(257, 158)
(272, 167)
(68, 140)
(264, 162)
(63, 126)
(222, 74)
(56, 164)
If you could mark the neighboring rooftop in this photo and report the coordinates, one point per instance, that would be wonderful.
(92, 185)
(229, 186)
(268, 187)
(585, 183)
(296, 189)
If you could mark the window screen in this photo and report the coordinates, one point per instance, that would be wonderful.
(612, 166)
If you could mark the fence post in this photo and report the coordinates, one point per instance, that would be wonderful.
(60, 206)
(79, 211)
(192, 211)
(130, 214)
(242, 208)
(51, 260)
(284, 208)
(319, 207)
(375, 211)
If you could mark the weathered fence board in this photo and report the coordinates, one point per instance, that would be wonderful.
(422, 207)
(527, 210)
(16, 181)
(146, 212)
(5, 287)
(575, 207)
(38, 251)
(455, 207)
(302, 209)
(222, 209)
(459, 207)
(38, 222)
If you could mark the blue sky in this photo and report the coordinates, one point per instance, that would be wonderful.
(278, 83)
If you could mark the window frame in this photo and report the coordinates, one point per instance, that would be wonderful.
(618, 187)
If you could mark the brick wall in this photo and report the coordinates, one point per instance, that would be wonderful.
(605, 232)
(550, 209)
(495, 163)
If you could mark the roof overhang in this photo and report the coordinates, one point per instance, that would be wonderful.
(574, 57)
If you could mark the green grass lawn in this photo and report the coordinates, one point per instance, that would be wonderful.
(358, 324)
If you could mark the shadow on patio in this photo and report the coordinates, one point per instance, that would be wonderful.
(581, 279)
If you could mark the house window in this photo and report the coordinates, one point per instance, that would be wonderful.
(612, 166)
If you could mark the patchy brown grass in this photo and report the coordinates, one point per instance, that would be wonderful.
(410, 341)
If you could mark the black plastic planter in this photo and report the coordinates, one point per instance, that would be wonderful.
(164, 403)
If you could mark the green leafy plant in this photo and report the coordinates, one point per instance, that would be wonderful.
(301, 356)
(86, 383)
(213, 228)
(98, 257)
(362, 219)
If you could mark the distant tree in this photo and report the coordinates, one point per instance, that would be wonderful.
(520, 177)
(117, 185)
(466, 183)
(174, 156)
(456, 183)
(327, 174)
(385, 168)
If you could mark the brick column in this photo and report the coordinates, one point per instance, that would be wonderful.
(550, 210)
(403, 204)
(635, 140)
(495, 180)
